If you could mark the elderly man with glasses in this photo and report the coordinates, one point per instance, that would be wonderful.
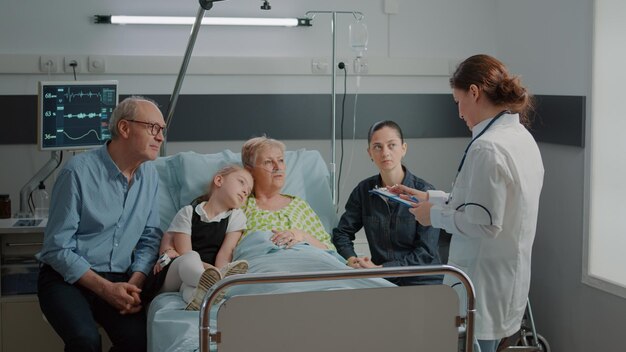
(103, 235)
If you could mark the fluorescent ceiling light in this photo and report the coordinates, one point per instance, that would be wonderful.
(215, 21)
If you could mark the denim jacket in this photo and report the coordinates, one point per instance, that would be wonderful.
(393, 235)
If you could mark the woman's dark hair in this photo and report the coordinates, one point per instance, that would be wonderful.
(493, 79)
(380, 124)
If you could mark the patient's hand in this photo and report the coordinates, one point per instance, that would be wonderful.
(287, 238)
(291, 237)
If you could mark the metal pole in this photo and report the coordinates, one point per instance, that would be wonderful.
(206, 5)
(333, 147)
(532, 323)
(333, 164)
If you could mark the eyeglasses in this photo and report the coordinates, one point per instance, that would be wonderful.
(153, 128)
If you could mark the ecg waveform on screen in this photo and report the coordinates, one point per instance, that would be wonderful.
(82, 115)
(107, 96)
(74, 115)
(48, 136)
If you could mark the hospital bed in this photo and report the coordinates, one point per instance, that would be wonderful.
(302, 299)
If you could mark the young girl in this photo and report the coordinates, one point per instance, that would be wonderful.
(203, 236)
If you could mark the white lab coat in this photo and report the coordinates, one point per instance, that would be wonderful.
(503, 173)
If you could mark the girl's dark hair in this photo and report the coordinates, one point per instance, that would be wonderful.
(380, 124)
(493, 79)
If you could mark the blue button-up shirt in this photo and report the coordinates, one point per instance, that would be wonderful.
(100, 221)
(393, 235)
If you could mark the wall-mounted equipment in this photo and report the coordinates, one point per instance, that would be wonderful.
(74, 115)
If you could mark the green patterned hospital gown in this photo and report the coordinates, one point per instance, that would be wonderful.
(296, 215)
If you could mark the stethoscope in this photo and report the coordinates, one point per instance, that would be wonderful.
(458, 171)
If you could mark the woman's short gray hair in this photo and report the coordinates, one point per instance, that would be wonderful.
(251, 148)
(126, 110)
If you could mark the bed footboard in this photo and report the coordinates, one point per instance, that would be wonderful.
(373, 319)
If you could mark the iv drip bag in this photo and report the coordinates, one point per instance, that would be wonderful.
(358, 37)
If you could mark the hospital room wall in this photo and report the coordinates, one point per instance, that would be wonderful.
(549, 42)
(154, 52)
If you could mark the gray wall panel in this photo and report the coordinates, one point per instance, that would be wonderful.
(560, 119)
(18, 117)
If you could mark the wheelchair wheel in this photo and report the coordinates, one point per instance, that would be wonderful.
(527, 340)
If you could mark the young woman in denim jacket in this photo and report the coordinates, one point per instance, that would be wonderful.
(394, 237)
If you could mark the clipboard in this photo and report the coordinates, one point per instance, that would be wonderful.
(393, 197)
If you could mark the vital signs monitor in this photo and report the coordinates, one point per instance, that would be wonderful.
(75, 114)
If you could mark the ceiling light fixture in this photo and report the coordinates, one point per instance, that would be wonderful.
(211, 21)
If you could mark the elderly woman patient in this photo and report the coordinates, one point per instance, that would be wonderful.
(283, 233)
(290, 218)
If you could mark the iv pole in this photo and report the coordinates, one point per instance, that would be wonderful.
(333, 147)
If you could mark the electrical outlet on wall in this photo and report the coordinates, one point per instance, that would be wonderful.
(360, 66)
(319, 66)
(68, 61)
(48, 64)
(96, 64)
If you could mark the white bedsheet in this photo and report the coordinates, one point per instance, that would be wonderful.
(172, 329)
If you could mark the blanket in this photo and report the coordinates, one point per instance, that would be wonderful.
(170, 328)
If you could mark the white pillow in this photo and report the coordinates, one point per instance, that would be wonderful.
(186, 175)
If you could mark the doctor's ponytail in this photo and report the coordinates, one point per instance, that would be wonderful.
(493, 78)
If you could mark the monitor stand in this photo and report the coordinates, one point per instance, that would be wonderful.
(40, 176)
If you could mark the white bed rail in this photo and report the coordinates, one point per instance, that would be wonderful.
(466, 321)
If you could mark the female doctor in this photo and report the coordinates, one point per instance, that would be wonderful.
(491, 211)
